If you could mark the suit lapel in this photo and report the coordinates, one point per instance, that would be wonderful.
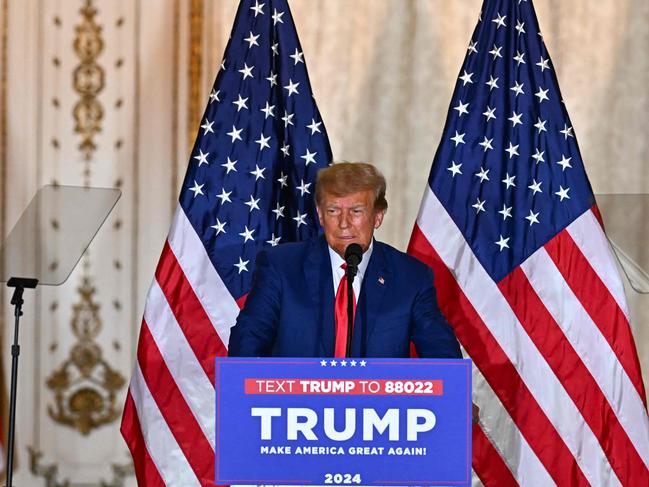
(376, 281)
(319, 281)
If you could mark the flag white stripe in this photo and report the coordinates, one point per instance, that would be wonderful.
(442, 233)
(219, 305)
(591, 240)
(592, 347)
(160, 443)
(189, 376)
(506, 437)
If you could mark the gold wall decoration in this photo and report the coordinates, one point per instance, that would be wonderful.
(195, 67)
(88, 81)
(85, 385)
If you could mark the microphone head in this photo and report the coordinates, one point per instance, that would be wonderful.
(353, 254)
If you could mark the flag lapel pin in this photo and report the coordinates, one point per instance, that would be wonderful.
(381, 280)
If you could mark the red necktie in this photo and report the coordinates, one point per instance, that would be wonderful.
(340, 313)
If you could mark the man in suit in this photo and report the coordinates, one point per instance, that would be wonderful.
(297, 304)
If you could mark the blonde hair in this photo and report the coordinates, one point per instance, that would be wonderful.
(344, 178)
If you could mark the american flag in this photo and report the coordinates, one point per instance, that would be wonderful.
(249, 184)
(525, 274)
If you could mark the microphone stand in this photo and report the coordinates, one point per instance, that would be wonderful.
(351, 273)
(19, 284)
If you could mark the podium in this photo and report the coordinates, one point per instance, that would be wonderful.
(343, 421)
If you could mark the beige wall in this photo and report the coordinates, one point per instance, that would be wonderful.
(382, 71)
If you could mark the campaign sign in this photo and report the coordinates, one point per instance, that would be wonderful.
(343, 421)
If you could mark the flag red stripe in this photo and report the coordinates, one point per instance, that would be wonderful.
(145, 470)
(598, 303)
(174, 409)
(487, 462)
(578, 382)
(190, 314)
(501, 374)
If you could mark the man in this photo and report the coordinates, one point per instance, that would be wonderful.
(297, 304)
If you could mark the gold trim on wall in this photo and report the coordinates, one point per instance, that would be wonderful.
(194, 69)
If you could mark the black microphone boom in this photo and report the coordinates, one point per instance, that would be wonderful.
(353, 257)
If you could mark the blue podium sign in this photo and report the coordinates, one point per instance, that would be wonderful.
(343, 421)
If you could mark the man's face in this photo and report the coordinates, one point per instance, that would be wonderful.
(349, 219)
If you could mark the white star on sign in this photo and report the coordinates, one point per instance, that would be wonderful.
(486, 143)
(202, 158)
(567, 131)
(273, 240)
(242, 265)
(563, 193)
(258, 173)
(466, 78)
(479, 206)
(516, 119)
(506, 212)
(512, 150)
(252, 40)
(353, 363)
(207, 126)
(490, 113)
(247, 234)
(279, 212)
(564, 162)
(308, 157)
(517, 88)
(240, 103)
(461, 108)
(297, 56)
(454, 168)
(502, 243)
(229, 166)
(246, 71)
(292, 87)
(219, 227)
(532, 217)
(277, 17)
(343, 363)
(538, 156)
(252, 204)
(214, 96)
(492, 83)
(458, 138)
(483, 174)
(500, 20)
(300, 218)
(224, 196)
(363, 363)
(197, 189)
(542, 94)
(543, 64)
(288, 119)
(323, 363)
(536, 187)
(333, 363)
(235, 134)
(304, 187)
(258, 8)
(509, 180)
(262, 141)
(315, 127)
(268, 110)
(540, 125)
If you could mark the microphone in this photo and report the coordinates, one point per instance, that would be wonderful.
(353, 255)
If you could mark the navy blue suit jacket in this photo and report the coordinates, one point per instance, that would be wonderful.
(290, 309)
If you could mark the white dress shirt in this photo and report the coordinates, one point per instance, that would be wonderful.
(338, 273)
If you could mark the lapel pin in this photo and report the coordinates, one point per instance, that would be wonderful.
(381, 280)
